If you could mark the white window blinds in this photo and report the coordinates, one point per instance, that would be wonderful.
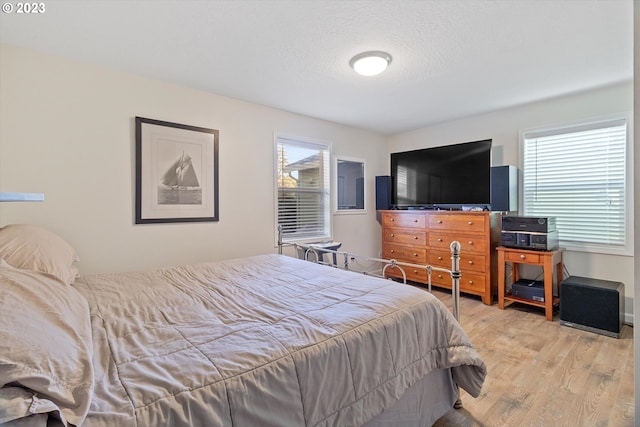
(578, 175)
(303, 202)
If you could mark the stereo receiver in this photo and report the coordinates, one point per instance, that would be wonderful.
(531, 224)
(537, 233)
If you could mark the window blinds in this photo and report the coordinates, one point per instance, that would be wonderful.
(578, 175)
(303, 208)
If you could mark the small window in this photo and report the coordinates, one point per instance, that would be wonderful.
(302, 186)
(579, 175)
(350, 191)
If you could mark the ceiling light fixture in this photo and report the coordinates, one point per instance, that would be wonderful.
(370, 63)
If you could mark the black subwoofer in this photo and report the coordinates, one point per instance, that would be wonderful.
(592, 305)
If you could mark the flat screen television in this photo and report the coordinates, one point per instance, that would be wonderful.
(447, 177)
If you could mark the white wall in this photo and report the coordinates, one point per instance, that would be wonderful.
(67, 130)
(504, 126)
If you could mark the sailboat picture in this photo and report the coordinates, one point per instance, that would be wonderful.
(179, 184)
(176, 172)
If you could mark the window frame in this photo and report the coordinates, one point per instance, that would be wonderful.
(305, 142)
(625, 249)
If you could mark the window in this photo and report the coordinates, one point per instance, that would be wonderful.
(302, 185)
(579, 175)
(349, 179)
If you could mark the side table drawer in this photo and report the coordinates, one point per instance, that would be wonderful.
(522, 257)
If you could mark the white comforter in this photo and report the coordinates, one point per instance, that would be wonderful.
(260, 341)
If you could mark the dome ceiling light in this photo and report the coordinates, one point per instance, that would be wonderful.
(370, 63)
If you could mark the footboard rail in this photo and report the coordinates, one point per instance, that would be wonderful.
(388, 264)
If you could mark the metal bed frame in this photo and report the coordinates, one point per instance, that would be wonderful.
(348, 258)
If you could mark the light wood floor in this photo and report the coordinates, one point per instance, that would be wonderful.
(543, 374)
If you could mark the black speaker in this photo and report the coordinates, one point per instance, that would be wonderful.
(360, 193)
(592, 305)
(504, 188)
(383, 192)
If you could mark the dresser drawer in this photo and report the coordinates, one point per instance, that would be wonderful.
(413, 274)
(404, 236)
(404, 220)
(438, 278)
(440, 259)
(458, 223)
(411, 255)
(472, 282)
(468, 262)
(474, 263)
(468, 243)
(522, 257)
(440, 241)
(472, 243)
(469, 282)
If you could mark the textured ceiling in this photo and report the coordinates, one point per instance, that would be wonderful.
(451, 58)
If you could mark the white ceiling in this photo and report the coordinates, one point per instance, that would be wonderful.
(451, 58)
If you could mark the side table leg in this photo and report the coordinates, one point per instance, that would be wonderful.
(548, 286)
(501, 280)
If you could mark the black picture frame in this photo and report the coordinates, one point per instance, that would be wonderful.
(176, 172)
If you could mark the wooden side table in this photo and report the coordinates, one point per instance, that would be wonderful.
(546, 259)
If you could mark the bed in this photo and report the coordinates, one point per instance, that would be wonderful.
(267, 340)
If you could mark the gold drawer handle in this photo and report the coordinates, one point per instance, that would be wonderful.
(470, 282)
(440, 240)
(439, 258)
(470, 242)
(470, 262)
(415, 271)
(393, 235)
(415, 220)
(415, 237)
(523, 256)
(439, 221)
(393, 251)
(439, 276)
(415, 254)
(470, 222)
(392, 219)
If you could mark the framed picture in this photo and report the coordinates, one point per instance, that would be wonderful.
(176, 172)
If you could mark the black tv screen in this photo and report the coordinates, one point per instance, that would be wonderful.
(450, 176)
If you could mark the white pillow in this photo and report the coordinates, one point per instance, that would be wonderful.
(45, 347)
(30, 247)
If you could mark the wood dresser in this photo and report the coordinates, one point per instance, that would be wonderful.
(423, 237)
